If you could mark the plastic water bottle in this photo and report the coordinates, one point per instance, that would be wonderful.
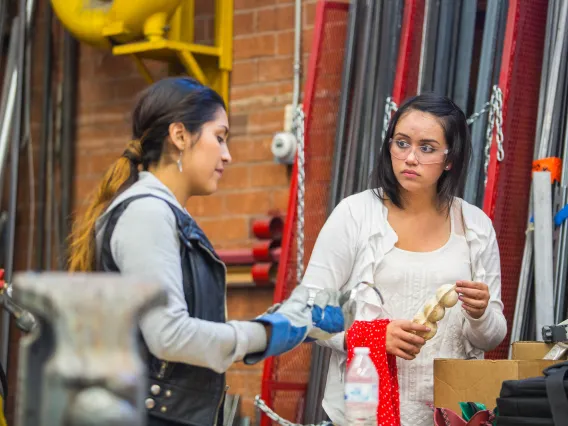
(361, 390)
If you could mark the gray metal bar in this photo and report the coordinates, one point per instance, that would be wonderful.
(522, 293)
(428, 53)
(454, 45)
(443, 47)
(349, 184)
(548, 45)
(481, 97)
(372, 74)
(390, 39)
(544, 274)
(14, 168)
(561, 272)
(464, 53)
(552, 87)
(423, 44)
(344, 101)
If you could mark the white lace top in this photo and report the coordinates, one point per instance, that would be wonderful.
(357, 244)
(408, 280)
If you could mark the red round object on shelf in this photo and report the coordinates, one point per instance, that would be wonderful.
(270, 228)
(264, 273)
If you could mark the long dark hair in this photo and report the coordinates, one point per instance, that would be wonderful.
(458, 138)
(171, 100)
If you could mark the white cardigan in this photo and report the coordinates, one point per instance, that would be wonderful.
(350, 247)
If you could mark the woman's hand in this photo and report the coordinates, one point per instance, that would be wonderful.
(474, 297)
(401, 341)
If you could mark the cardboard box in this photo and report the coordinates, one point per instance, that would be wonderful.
(530, 350)
(458, 381)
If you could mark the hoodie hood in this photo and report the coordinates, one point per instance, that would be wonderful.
(147, 184)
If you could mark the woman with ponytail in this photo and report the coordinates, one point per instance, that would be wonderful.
(136, 224)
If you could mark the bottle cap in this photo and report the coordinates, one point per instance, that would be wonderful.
(362, 351)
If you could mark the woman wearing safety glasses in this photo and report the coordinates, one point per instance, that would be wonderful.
(408, 235)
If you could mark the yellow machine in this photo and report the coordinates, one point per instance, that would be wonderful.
(155, 29)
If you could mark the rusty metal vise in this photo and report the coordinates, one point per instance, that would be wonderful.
(81, 364)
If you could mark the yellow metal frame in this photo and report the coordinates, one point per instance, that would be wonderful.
(159, 30)
(211, 65)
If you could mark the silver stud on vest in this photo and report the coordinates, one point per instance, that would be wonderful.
(164, 409)
(168, 393)
(149, 403)
(155, 390)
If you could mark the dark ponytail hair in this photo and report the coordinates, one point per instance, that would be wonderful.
(458, 138)
(171, 100)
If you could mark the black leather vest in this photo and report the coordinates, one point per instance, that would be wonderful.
(182, 393)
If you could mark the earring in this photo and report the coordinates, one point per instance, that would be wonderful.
(180, 168)
(447, 167)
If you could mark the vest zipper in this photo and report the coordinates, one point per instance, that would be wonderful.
(225, 300)
(219, 404)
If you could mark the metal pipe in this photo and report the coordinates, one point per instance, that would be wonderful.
(426, 78)
(454, 46)
(8, 97)
(548, 45)
(344, 101)
(47, 114)
(425, 29)
(544, 274)
(391, 23)
(67, 153)
(8, 105)
(464, 54)
(481, 97)
(562, 264)
(552, 87)
(297, 53)
(349, 183)
(443, 44)
(372, 67)
(14, 163)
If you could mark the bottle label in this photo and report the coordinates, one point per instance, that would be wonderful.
(361, 392)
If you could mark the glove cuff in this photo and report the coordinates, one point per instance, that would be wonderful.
(283, 337)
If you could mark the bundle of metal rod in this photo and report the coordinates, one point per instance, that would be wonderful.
(446, 67)
(370, 62)
(547, 239)
(369, 69)
(487, 76)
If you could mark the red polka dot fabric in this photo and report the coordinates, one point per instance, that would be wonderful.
(372, 334)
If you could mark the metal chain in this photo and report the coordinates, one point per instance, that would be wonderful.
(477, 115)
(495, 120)
(260, 404)
(390, 107)
(299, 132)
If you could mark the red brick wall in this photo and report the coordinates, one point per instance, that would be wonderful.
(261, 85)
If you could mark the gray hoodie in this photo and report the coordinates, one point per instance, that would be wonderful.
(145, 243)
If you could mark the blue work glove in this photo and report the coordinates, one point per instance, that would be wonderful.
(292, 321)
(327, 316)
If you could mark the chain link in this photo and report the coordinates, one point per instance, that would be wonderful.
(260, 404)
(478, 114)
(299, 132)
(495, 120)
(390, 107)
